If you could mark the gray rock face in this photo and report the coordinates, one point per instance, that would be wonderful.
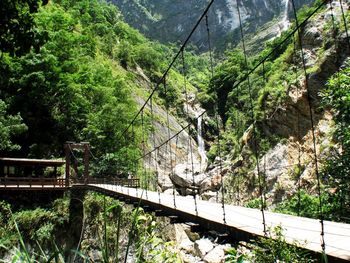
(292, 118)
(171, 21)
(275, 162)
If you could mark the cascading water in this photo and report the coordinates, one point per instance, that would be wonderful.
(285, 21)
(200, 141)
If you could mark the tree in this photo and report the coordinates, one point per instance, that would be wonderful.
(336, 172)
(17, 34)
(9, 126)
(226, 75)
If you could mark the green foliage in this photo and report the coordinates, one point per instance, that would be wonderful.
(258, 96)
(79, 92)
(225, 76)
(306, 205)
(42, 224)
(301, 204)
(233, 256)
(80, 85)
(27, 233)
(9, 126)
(116, 223)
(336, 172)
(17, 32)
(254, 203)
(277, 250)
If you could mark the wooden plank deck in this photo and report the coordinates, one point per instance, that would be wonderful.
(304, 231)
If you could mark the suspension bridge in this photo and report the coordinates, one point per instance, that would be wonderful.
(141, 185)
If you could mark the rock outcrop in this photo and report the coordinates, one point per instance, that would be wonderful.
(196, 249)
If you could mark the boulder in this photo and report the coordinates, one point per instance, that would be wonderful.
(183, 178)
(202, 247)
(211, 183)
(187, 246)
(216, 255)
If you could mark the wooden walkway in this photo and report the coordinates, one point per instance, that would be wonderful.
(241, 222)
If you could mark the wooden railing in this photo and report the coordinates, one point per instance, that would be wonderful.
(135, 183)
(19, 182)
(30, 182)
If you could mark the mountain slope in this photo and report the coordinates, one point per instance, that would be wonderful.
(171, 21)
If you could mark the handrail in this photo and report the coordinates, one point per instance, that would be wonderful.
(128, 182)
(60, 182)
(31, 182)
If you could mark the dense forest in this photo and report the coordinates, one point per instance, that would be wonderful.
(76, 71)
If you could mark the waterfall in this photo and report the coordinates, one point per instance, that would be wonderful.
(285, 20)
(200, 141)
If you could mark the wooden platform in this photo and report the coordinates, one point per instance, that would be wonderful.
(242, 222)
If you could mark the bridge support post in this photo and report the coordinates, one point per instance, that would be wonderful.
(69, 147)
(86, 147)
(67, 152)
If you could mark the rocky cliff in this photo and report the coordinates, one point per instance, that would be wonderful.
(290, 164)
(171, 21)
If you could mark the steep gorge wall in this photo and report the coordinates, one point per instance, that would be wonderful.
(292, 159)
(172, 21)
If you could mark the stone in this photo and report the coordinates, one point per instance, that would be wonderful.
(211, 183)
(189, 258)
(187, 245)
(95, 255)
(193, 236)
(209, 195)
(216, 255)
(180, 232)
(312, 36)
(202, 247)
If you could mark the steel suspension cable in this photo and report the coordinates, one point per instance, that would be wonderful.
(253, 119)
(312, 127)
(143, 152)
(175, 159)
(189, 130)
(298, 127)
(264, 174)
(171, 64)
(217, 126)
(345, 24)
(264, 59)
(169, 136)
(156, 180)
(340, 193)
(157, 175)
(134, 156)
